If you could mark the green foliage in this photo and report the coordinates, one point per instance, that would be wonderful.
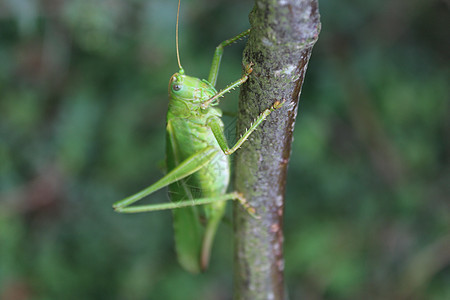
(83, 97)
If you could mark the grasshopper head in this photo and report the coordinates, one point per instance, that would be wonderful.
(188, 89)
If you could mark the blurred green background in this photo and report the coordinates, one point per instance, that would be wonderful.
(83, 97)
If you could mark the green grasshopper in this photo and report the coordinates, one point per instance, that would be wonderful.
(197, 161)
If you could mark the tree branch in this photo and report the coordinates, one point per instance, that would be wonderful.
(280, 43)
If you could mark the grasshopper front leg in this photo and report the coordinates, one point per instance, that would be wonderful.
(212, 78)
(229, 88)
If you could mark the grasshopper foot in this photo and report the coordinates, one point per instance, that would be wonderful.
(248, 68)
(251, 211)
(277, 104)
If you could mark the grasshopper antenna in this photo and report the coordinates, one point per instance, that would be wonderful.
(176, 39)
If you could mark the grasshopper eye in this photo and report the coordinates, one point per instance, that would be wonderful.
(176, 87)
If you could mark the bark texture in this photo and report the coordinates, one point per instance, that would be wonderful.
(282, 35)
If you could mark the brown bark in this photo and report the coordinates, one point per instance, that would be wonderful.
(279, 46)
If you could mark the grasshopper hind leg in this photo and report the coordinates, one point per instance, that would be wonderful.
(191, 202)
